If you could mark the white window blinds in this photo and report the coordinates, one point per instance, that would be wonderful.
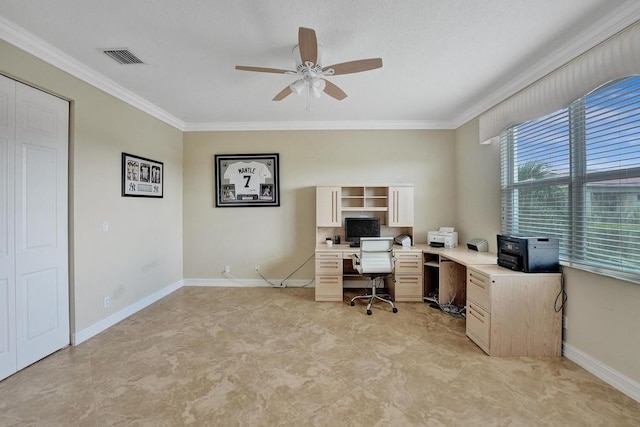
(575, 175)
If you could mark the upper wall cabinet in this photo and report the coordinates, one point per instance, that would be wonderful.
(393, 204)
(328, 207)
(400, 206)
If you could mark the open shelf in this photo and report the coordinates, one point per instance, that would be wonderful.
(360, 209)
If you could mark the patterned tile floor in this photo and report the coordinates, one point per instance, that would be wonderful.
(269, 357)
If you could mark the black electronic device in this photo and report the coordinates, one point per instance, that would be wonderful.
(529, 254)
(355, 228)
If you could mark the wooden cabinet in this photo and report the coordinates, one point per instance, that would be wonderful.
(328, 276)
(478, 308)
(329, 288)
(393, 204)
(512, 313)
(444, 280)
(406, 284)
(400, 206)
(328, 207)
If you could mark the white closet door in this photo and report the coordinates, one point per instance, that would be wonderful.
(41, 230)
(8, 354)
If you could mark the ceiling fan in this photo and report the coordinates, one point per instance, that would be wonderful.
(312, 73)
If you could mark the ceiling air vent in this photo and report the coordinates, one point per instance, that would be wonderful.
(122, 56)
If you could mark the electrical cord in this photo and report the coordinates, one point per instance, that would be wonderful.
(561, 295)
(282, 284)
(232, 277)
(450, 308)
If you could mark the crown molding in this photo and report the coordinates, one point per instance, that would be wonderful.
(616, 21)
(606, 27)
(327, 125)
(44, 51)
(22, 39)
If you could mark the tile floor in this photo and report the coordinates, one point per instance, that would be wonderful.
(274, 357)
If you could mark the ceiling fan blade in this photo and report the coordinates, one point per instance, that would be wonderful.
(333, 90)
(263, 69)
(283, 94)
(355, 66)
(308, 45)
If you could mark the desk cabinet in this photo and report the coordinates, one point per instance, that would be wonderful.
(328, 276)
(512, 313)
(393, 205)
(406, 284)
(444, 280)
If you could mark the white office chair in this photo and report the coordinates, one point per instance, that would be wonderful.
(376, 262)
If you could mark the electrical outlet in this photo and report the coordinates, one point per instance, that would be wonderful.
(227, 268)
(105, 225)
(106, 302)
(257, 269)
(564, 322)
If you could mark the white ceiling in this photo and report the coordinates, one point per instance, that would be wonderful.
(445, 61)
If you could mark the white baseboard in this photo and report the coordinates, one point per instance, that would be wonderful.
(96, 328)
(612, 377)
(234, 282)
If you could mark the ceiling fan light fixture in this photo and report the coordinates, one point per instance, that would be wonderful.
(316, 86)
(308, 56)
(298, 86)
(315, 92)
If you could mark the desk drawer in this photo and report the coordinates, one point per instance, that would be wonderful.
(348, 253)
(478, 288)
(408, 263)
(328, 288)
(478, 325)
(407, 289)
(329, 263)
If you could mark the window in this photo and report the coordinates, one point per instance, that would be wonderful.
(575, 175)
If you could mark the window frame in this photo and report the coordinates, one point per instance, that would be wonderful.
(574, 244)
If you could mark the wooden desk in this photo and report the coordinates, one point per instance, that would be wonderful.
(445, 272)
(412, 277)
(461, 255)
(509, 313)
(333, 266)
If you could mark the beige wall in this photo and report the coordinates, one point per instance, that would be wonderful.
(478, 189)
(142, 253)
(602, 313)
(456, 182)
(281, 239)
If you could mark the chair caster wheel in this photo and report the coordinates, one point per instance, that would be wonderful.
(369, 312)
(395, 310)
(352, 303)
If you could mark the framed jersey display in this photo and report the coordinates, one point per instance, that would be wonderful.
(247, 180)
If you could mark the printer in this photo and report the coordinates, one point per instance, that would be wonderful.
(445, 237)
(529, 254)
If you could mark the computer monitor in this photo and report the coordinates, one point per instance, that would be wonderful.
(355, 228)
